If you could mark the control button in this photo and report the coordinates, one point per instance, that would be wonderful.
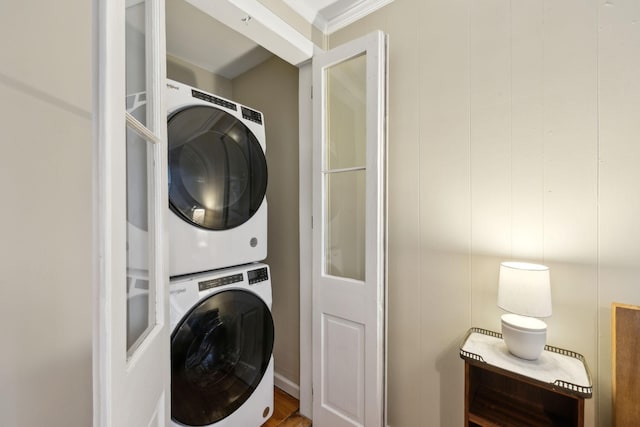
(259, 275)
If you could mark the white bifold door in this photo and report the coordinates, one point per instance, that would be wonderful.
(131, 329)
(349, 112)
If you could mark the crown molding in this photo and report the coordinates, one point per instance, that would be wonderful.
(353, 14)
(346, 17)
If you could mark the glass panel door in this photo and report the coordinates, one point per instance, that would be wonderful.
(348, 276)
(141, 144)
(131, 345)
(345, 169)
(141, 308)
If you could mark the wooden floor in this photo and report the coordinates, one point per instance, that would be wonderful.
(285, 412)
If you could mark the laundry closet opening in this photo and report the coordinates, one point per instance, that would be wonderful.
(206, 54)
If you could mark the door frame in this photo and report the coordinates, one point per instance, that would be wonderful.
(305, 189)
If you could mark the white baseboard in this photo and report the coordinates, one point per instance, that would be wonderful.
(286, 385)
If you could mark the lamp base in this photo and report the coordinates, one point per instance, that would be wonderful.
(525, 336)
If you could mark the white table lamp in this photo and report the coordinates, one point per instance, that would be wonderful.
(525, 291)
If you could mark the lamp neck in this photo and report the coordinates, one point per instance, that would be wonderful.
(524, 322)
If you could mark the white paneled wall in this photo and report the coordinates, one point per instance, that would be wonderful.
(491, 152)
(570, 174)
(443, 194)
(513, 134)
(619, 172)
(527, 129)
(404, 246)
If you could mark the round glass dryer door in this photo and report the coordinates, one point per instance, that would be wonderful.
(217, 168)
(219, 354)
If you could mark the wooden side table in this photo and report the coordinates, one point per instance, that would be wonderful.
(504, 390)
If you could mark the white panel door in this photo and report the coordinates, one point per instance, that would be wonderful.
(131, 329)
(349, 85)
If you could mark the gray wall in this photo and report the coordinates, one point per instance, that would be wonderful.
(272, 87)
(46, 214)
(513, 134)
(190, 74)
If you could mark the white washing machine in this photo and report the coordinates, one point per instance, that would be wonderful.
(221, 348)
(217, 181)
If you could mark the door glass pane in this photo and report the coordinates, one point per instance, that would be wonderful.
(345, 226)
(346, 149)
(346, 113)
(136, 59)
(140, 296)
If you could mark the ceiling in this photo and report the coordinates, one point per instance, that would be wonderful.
(198, 38)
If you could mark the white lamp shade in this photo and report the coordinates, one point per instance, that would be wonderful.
(524, 289)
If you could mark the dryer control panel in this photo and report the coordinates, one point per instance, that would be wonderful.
(214, 99)
(258, 275)
(249, 114)
(219, 281)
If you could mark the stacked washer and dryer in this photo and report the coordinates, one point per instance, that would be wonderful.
(220, 294)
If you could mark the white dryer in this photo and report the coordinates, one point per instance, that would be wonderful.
(221, 348)
(217, 182)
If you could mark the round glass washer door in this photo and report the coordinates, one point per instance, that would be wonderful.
(219, 354)
(217, 168)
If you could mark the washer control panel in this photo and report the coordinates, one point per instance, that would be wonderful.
(258, 275)
(220, 281)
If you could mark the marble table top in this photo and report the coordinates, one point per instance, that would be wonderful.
(563, 370)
